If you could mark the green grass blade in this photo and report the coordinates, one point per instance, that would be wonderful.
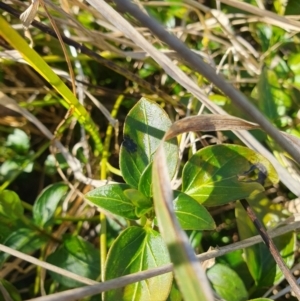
(68, 100)
(189, 274)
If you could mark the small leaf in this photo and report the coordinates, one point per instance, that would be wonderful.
(144, 127)
(227, 283)
(24, 240)
(215, 175)
(190, 214)
(269, 94)
(112, 197)
(19, 141)
(138, 249)
(142, 203)
(47, 202)
(78, 256)
(10, 205)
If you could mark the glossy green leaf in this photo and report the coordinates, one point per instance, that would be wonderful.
(217, 174)
(10, 205)
(190, 214)
(10, 290)
(259, 260)
(138, 249)
(24, 240)
(142, 203)
(46, 204)
(78, 256)
(144, 127)
(112, 197)
(227, 283)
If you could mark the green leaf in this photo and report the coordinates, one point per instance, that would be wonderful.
(46, 204)
(11, 290)
(24, 240)
(10, 206)
(144, 127)
(142, 203)
(18, 141)
(78, 256)
(112, 197)
(259, 260)
(227, 283)
(190, 214)
(216, 174)
(271, 98)
(138, 249)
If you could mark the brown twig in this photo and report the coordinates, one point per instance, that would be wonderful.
(272, 248)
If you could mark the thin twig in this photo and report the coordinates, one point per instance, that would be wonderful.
(272, 248)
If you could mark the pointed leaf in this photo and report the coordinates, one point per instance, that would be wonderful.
(217, 174)
(144, 127)
(227, 283)
(142, 203)
(46, 204)
(78, 256)
(138, 249)
(190, 214)
(112, 197)
(270, 95)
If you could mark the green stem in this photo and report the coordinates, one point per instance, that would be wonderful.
(103, 175)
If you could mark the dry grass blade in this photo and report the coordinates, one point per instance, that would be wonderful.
(270, 17)
(294, 140)
(189, 274)
(46, 265)
(208, 123)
